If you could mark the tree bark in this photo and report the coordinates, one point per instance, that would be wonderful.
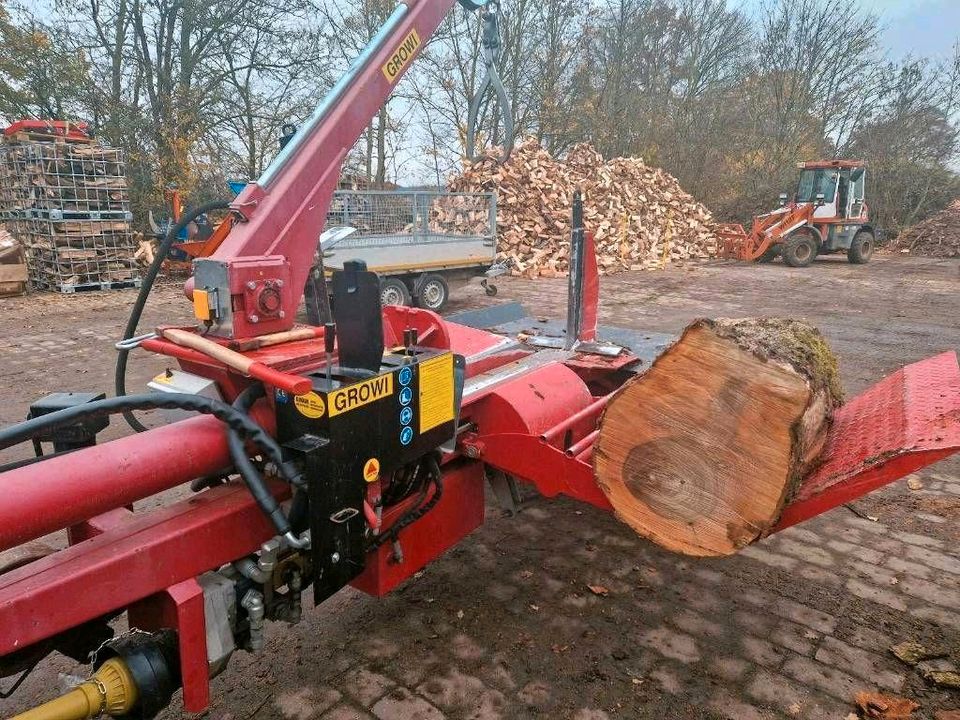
(702, 451)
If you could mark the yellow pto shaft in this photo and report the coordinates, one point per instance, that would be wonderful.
(111, 690)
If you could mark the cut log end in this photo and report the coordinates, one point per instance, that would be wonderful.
(702, 451)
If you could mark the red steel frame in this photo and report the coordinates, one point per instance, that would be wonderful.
(536, 426)
(282, 220)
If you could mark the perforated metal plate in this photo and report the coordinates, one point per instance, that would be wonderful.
(906, 421)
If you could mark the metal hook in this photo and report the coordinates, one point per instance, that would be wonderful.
(491, 79)
(134, 342)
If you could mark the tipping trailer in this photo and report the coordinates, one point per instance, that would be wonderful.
(419, 242)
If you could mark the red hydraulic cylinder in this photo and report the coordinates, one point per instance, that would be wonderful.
(62, 491)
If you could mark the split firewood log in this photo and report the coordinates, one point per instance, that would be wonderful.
(701, 452)
(627, 205)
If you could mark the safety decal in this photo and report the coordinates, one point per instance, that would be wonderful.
(310, 405)
(436, 392)
(371, 470)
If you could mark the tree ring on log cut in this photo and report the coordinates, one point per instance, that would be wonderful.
(653, 481)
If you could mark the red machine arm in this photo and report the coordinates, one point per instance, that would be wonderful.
(252, 284)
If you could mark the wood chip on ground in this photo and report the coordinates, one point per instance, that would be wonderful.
(937, 236)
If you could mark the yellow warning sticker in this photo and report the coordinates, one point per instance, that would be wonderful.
(371, 470)
(402, 56)
(201, 304)
(311, 405)
(436, 392)
(360, 394)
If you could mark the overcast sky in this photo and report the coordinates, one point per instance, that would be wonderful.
(921, 27)
(912, 27)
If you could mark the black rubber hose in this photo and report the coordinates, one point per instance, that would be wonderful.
(120, 374)
(251, 476)
(235, 419)
(415, 513)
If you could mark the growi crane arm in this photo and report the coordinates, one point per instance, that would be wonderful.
(252, 284)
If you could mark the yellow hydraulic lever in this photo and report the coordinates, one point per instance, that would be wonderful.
(111, 690)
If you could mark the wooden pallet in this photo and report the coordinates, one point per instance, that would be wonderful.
(26, 137)
(13, 280)
(96, 286)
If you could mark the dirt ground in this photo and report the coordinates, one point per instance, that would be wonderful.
(504, 625)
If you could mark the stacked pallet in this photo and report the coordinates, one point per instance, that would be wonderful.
(67, 201)
(937, 236)
(640, 216)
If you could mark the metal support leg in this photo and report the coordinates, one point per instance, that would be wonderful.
(505, 490)
(180, 607)
(575, 275)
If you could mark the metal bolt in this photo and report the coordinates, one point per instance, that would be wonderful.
(279, 283)
(472, 451)
(335, 558)
(281, 314)
(253, 318)
(251, 285)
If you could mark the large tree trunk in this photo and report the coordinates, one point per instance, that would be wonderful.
(702, 451)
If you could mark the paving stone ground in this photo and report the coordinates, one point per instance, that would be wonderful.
(504, 626)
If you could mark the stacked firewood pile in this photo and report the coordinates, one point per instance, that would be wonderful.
(66, 199)
(640, 216)
(937, 236)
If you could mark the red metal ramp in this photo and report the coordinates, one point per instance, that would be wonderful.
(905, 422)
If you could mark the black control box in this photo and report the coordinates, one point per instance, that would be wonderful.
(350, 432)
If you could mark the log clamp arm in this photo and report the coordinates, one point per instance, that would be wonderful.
(491, 46)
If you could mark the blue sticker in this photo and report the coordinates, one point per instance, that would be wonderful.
(282, 396)
(406, 415)
(406, 396)
(406, 375)
(406, 435)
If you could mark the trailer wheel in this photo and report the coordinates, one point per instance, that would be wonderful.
(861, 249)
(800, 249)
(393, 291)
(434, 293)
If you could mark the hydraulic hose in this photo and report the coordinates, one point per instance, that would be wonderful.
(120, 374)
(236, 420)
(419, 510)
(251, 476)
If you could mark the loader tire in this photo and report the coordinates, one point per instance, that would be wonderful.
(799, 250)
(861, 249)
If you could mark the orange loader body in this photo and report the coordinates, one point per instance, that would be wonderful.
(828, 214)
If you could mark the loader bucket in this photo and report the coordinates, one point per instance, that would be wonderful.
(905, 422)
(734, 241)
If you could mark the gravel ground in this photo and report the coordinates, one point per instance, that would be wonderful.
(504, 625)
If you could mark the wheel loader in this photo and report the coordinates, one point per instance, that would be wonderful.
(828, 214)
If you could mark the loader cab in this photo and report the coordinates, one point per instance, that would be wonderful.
(836, 189)
(819, 186)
